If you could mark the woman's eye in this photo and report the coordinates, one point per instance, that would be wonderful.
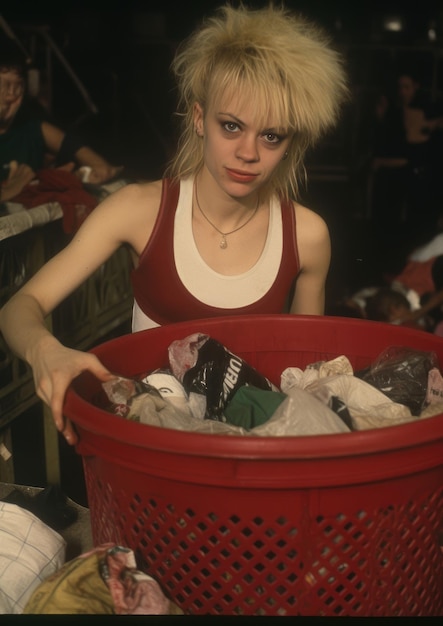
(272, 138)
(231, 127)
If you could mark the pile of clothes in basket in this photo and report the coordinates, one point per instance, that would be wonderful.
(207, 388)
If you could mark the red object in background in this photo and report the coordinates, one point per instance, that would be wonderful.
(58, 185)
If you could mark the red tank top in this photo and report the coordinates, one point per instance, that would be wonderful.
(162, 296)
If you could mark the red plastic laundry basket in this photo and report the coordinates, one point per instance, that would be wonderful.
(331, 525)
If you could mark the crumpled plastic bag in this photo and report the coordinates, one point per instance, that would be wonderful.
(301, 413)
(141, 402)
(367, 406)
(144, 403)
(358, 403)
(435, 408)
(302, 378)
(206, 367)
(153, 411)
(401, 373)
(121, 391)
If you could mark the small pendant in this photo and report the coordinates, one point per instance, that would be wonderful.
(223, 243)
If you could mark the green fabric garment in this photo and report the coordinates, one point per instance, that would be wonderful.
(251, 406)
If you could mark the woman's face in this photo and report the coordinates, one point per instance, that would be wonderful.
(11, 96)
(240, 155)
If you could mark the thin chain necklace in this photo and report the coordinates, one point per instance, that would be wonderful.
(223, 243)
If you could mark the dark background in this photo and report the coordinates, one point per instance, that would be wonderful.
(121, 53)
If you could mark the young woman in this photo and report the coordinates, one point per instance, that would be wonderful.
(220, 234)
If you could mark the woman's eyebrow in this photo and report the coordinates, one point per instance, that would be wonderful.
(277, 130)
(234, 117)
(271, 129)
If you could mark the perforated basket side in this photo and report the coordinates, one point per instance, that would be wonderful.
(324, 552)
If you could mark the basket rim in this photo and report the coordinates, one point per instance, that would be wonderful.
(371, 441)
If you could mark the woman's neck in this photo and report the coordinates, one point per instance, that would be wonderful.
(226, 211)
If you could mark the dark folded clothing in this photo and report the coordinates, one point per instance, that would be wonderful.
(49, 505)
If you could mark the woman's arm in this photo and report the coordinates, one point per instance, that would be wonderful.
(54, 366)
(314, 249)
(127, 216)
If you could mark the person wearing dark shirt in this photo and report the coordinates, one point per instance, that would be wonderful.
(25, 143)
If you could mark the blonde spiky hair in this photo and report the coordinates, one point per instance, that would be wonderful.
(274, 58)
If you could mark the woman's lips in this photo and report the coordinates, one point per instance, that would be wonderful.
(239, 176)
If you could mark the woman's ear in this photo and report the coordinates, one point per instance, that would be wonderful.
(198, 119)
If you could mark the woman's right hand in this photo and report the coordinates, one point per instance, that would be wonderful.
(54, 368)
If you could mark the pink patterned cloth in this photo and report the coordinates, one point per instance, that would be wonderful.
(133, 592)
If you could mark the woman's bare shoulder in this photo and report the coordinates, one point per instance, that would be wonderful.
(309, 222)
(134, 201)
(128, 215)
(140, 194)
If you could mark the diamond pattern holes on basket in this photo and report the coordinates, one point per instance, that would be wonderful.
(384, 563)
(219, 565)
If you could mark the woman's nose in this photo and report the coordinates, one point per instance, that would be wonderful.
(247, 149)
